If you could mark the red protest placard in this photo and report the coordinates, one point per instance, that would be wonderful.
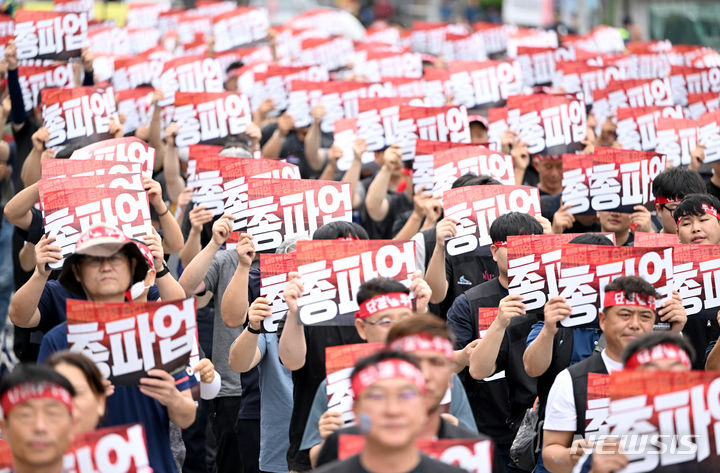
(679, 415)
(485, 84)
(35, 78)
(190, 74)
(424, 162)
(69, 212)
(123, 447)
(243, 25)
(135, 105)
(377, 121)
(700, 103)
(282, 208)
(637, 126)
(126, 340)
(7, 25)
(210, 116)
(332, 272)
(379, 64)
(131, 72)
(686, 80)
(274, 271)
(143, 14)
(274, 83)
(598, 400)
(69, 168)
(534, 266)
(127, 181)
(430, 123)
(676, 138)
(709, 135)
(587, 269)
(579, 78)
(644, 239)
(472, 455)
(464, 47)
(551, 124)
(49, 34)
(630, 93)
(486, 316)
(339, 363)
(696, 275)
(77, 116)
(120, 150)
(476, 208)
(332, 53)
(451, 164)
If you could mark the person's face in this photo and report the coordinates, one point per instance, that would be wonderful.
(663, 365)
(438, 374)
(614, 221)
(478, 133)
(550, 174)
(376, 327)
(105, 277)
(622, 324)
(665, 213)
(500, 257)
(38, 432)
(88, 406)
(394, 410)
(231, 84)
(699, 230)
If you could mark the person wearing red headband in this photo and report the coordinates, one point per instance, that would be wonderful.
(388, 390)
(549, 169)
(669, 188)
(37, 423)
(628, 312)
(429, 341)
(698, 220)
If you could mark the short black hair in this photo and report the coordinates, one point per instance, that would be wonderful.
(66, 151)
(592, 239)
(471, 179)
(33, 374)
(377, 286)
(658, 338)
(380, 356)
(335, 230)
(675, 183)
(632, 285)
(234, 65)
(512, 224)
(86, 366)
(692, 205)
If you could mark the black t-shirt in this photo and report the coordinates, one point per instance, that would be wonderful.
(329, 451)
(397, 204)
(293, 149)
(712, 189)
(466, 271)
(307, 379)
(353, 465)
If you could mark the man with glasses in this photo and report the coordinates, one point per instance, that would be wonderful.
(669, 188)
(383, 302)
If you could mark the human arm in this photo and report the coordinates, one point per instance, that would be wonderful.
(192, 277)
(376, 202)
(538, 355)
(435, 274)
(273, 146)
(334, 153)
(17, 112)
(313, 137)
(640, 219)
(330, 421)
(168, 288)
(174, 183)
(562, 219)
(521, 160)
(352, 175)
(483, 358)
(156, 130)
(32, 168)
(172, 240)
(24, 310)
(558, 453)
(26, 257)
(17, 210)
(199, 216)
(234, 306)
(244, 352)
(672, 311)
(160, 385)
(412, 224)
(292, 348)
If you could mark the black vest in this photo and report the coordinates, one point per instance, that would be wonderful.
(561, 357)
(579, 374)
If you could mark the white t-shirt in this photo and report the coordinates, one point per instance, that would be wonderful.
(560, 412)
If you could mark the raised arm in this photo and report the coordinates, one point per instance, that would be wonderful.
(17, 210)
(32, 168)
(172, 240)
(352, 175)
(538, 355)
(244, 352)
(435, 274)
(171, 166)
(235, 299)
(376, 202)
(313, 139)
(292, 346)
(168, 287)
(192, 278)
(199, 216)
(273, 146)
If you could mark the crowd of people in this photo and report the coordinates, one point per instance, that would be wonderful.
(255, 395)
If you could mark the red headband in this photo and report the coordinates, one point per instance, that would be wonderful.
(499, 244)
(613, 298)
(547, 157)
(386, 369)
(25, 392)
(665, 200)
(708, 209)
(423, 342)
(383, 302)
(664, 351)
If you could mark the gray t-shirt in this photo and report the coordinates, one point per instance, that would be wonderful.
(217, 279)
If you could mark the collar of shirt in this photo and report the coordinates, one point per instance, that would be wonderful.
(610, 365)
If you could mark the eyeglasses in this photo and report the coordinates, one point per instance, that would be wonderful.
(670, 208)
(377, 396)
(96, 261)
(385, 322)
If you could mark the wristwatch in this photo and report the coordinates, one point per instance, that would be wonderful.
(252, 330)
(162, 272)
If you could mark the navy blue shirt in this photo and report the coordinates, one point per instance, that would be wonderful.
(128, 405)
